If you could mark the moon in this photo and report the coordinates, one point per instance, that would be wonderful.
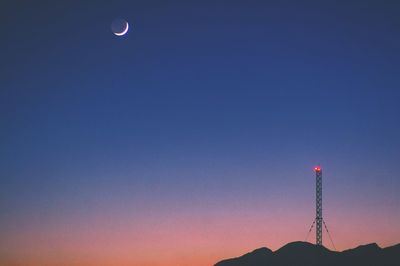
(120, 27)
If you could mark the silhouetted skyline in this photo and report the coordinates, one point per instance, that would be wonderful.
(306, 254)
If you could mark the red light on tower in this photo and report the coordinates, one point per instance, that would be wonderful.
(317, 168)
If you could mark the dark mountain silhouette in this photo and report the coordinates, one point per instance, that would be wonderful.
(306, 254)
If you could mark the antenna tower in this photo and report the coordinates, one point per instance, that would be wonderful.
(319, 220)
(318, 205)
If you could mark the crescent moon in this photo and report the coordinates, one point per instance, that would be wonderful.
(124, 31)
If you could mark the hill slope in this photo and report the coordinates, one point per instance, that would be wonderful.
(306, 254)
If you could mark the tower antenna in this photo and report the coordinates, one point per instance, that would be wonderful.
(319, 221)
(318, 205)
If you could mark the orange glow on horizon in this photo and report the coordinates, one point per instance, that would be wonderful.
(178, 240)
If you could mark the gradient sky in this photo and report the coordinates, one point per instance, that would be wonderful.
(193, 138)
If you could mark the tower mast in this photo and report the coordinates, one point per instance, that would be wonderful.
(318, 202)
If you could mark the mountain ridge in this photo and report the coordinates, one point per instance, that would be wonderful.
(307, 254)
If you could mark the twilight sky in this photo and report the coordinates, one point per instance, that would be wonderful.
(193, 138)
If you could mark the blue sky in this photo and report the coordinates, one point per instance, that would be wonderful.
(201, 104)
